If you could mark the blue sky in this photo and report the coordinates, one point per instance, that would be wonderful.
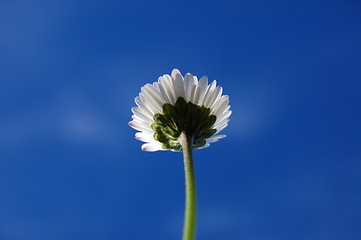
(290, 167)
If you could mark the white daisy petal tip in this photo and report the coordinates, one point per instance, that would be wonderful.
(175, 72)
(151, 147)
(195, 107)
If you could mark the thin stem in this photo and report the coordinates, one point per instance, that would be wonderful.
(189, 228)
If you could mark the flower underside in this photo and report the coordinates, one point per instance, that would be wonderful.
(195, 121)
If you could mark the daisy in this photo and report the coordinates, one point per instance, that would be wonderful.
(177, 104)
(180, 114)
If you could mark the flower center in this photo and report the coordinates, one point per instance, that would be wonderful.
(195, 121)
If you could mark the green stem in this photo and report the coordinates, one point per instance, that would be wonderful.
(189, 228)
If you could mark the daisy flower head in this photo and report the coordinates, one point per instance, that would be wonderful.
(176, 105)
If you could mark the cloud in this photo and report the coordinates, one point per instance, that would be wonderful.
(71, 118)
(254, 108)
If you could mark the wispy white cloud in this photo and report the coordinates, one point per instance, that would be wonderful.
(254, 108)
(71, 118)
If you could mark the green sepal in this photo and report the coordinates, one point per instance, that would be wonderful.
(209, 133)
(160, 119)
(170, 132)
(156, 127)
(187, 117)
(207, 124)
(160, 137)
(180, 105)
(169, 111)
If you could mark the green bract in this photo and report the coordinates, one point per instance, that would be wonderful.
(195, 121)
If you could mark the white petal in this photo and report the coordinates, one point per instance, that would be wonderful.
(178, 84)
(145, 121)
(140, 126)
(200, 91)
(192, 93)
(222, 109)
(152, 105)
(151, 97)
(221, 127)
(210, 91)
(145, 137)
(175, 72)
(141, 114)
(203, 83)
(142, 106)
(149, 103)
(154, 92)
(220, 105)
(224, 116)
(157, 90)
(196, 94)
(145, 105)
(215, 138)
(163, 91)
(166, 82)
(152, 147)
(220, 124)
(174, 150)
(188, 85)
(214, 97)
